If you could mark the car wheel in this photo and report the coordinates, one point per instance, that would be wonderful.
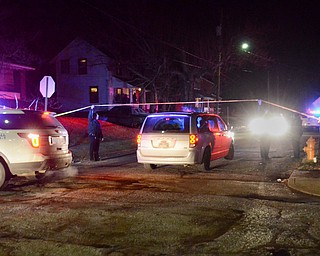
(150, 167)
(230, 153)
(206, 159)
(3, 176)
(40, 175)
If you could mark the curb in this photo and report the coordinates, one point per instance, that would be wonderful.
(307, 182)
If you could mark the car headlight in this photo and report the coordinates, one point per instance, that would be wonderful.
(273, 126)
(258, 126)
(230, 134)
(278, 126)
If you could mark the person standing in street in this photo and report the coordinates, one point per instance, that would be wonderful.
(95, 134)
(265, 140)
(296, 131)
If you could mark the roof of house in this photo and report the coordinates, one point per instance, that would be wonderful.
(77, 42)
(16, 66)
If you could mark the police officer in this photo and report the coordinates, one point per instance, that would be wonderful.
(265, 141)
(296, 131)
(95, 134)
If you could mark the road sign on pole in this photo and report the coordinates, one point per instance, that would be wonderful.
(47, 88)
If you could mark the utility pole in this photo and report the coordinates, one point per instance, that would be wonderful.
(219, 35)
(219, 83)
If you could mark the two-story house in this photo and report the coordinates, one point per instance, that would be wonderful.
(83, 78)
(13, 85)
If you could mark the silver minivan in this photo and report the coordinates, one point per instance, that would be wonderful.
(31, 142)
(181, 138)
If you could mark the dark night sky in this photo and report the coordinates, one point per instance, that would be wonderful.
(289, 29)
(293, 26)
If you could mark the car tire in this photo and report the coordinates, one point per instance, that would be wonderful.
(206, 159)
(40, 175)
(3, 176)
(150, 167)
(230, 155)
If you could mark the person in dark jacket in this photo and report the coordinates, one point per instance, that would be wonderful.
(95, 134)
(296, 132)
(265, 141)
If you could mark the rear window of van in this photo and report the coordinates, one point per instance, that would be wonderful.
(163, 123)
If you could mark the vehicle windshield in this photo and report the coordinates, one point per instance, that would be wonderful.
(28, 120)
(176, 124)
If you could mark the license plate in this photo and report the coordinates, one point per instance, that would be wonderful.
(53, 140)
(163, 142)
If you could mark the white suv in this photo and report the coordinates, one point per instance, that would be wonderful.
(181, 138)
(31, 142)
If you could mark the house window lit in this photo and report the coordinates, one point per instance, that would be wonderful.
(94, 94)
(65, 66)
(82, 66)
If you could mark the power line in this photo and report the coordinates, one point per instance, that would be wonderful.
(120, 21)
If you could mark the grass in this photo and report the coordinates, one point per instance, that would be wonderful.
(117, 139)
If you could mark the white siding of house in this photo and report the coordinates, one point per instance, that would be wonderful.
(73, 89)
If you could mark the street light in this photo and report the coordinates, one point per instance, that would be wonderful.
(245, 47)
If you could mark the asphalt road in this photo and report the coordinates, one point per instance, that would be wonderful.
(115, 207)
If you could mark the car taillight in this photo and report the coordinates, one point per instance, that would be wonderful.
(34, 139)
(138, 139)
(193, 140)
